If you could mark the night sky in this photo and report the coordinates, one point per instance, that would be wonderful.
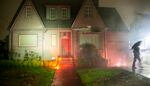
(8, 8)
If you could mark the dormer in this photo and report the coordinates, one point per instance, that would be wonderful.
(57, 12)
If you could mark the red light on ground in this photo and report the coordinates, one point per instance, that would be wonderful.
(118, 64)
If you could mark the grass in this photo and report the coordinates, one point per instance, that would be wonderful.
(88, 76)
(111, 77)
(16, 73)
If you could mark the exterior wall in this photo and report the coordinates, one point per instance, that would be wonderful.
(27, 25)
(95, 38)
(18, 50)
(52, 42)
(48, 39)
(117, 48)
(94, 20)
(51, 50)
(75, 44)
(28, 22)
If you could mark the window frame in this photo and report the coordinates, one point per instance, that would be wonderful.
(88, 10)
(57, 12)
(65, 13)
(20, 37)
(28, 11)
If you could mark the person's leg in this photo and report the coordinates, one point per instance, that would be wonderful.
(139, 59)
(133, 65)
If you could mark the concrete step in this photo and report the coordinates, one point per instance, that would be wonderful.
(67, 60)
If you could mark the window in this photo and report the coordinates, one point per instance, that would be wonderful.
(52, 14)
(28, 40)
(65, 13)
(90, 38)
(88, 10)
(28, 11)
(57, 13)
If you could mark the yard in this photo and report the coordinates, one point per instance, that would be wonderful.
(16, 73)
(111, 77)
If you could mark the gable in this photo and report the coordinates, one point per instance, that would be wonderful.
(112, 19)
(40, 5)
(104, 16)
(88, 16)
(27, 17)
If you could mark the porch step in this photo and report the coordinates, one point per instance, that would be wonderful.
(67, 60)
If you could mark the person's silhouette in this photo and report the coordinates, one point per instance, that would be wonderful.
(136, 52)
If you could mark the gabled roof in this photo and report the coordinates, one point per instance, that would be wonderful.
(15, 16)
(40, 6)
(110, 16)
(112, 19)
(84, 19)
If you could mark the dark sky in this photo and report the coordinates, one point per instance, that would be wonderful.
(7, 10)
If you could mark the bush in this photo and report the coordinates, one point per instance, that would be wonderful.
(89, 57)
(4, 49)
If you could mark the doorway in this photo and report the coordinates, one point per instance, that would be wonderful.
(65, 44)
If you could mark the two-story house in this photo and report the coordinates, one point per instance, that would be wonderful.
(58, 27)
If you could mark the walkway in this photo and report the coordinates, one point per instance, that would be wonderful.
(144, 70)
(66, 75)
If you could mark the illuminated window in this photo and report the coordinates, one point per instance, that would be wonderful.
(28, 40)
(54, 39)
(28, 12)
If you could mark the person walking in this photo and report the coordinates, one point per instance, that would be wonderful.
(136, 52)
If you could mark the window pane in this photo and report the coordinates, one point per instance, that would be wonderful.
(28, 11)
(28, 40)
(65, 13)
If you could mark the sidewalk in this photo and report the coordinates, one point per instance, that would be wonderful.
(144, 70)
(66, 75)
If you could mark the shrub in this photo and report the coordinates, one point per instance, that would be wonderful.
(89, 57)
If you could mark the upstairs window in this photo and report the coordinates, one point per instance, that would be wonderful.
(65, 13)
(57, 13)
(88, 9)
(28, 11)
(51, 13)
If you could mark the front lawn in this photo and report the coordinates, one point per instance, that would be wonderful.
(15, 74)
(111, 77)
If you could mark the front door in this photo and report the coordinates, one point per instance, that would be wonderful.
(65, 44)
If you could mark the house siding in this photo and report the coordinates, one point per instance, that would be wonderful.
(33, 22)
(26, 26)
(49, 33)
(16, 48)
(116, 47)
